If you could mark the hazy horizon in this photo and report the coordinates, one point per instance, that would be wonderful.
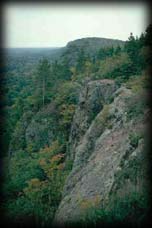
(53, 47)
(31, 47)
(54, 25)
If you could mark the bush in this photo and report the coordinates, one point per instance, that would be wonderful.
(34, 183)
(132, 209)
(134, 139)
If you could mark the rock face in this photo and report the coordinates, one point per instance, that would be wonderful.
(41, 130)
(106, 142)
(35, 131)
(93, 44)
(91, 101)
(90, 45)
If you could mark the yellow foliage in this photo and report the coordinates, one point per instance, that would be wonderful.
(88, 67)
(90, 203)
(30, 148)
(67, 109)
(35, 182)
(73, 70)
(49, 162)
(88, 64)
(49, 165)
(85, 204)
(61, 166)
(42, 162)
(67, 112)
(137, 84)
(34, 185)
(49, 149)
(57, 158)
(103, 115)
(110, 63)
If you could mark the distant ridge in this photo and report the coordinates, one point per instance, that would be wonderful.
(89, 45)
(96, 41)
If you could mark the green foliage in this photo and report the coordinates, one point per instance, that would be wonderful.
(21, 168)
(103, 53)
(80, 61)
(41, 80)
(131, 209)
(34, 183)
(44, 96)
(66, 113)
(116, 67)
(117, 50)
(136, 106)
(60, 71)
(68, 93)
(131, 47)
(104, 115)
(139, 83)
(18, 141)
(134, 139)
(134, 47)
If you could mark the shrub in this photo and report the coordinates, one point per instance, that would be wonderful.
(134, 139)
(132, 209)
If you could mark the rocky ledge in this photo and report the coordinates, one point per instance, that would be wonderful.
(106, 145)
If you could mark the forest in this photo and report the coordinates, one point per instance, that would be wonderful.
(40, 97)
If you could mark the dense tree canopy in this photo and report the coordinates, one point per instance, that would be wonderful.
(39, 105)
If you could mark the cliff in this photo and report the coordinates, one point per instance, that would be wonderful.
(90, 46)
(108, 150)
(80, 157)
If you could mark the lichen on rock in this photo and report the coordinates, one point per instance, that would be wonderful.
(101, 150)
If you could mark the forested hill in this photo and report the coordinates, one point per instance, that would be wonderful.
(90, 46)
(21, 68)
(74, 135)
(31, 56)
(94, 43)
(28, 57)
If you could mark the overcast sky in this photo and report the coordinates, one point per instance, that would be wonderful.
(50, 25)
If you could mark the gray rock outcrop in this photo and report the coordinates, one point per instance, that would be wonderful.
(103, 148)
(91, 101)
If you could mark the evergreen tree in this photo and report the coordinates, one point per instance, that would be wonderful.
(101, 54)
(66, 73)
(148, 36)
(109, 51)
(131, 47)
(81, 61)
(117, 51)
(42, 76)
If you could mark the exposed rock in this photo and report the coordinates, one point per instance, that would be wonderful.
(35, 131)
(92, 98)
(41, 130)
(90, 45)
(18, 141)
(102, 148)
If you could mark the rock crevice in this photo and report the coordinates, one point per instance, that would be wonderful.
(99, 148)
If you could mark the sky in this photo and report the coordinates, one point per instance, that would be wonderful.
(54, 25)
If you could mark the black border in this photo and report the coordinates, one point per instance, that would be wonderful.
(3, 222)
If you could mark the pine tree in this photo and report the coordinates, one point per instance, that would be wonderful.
(81, 61)
(42, 76)
(148, 36)
(101, 55)
(131, 47)
(117, 51)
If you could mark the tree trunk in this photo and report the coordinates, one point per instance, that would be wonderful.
(43, 92)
